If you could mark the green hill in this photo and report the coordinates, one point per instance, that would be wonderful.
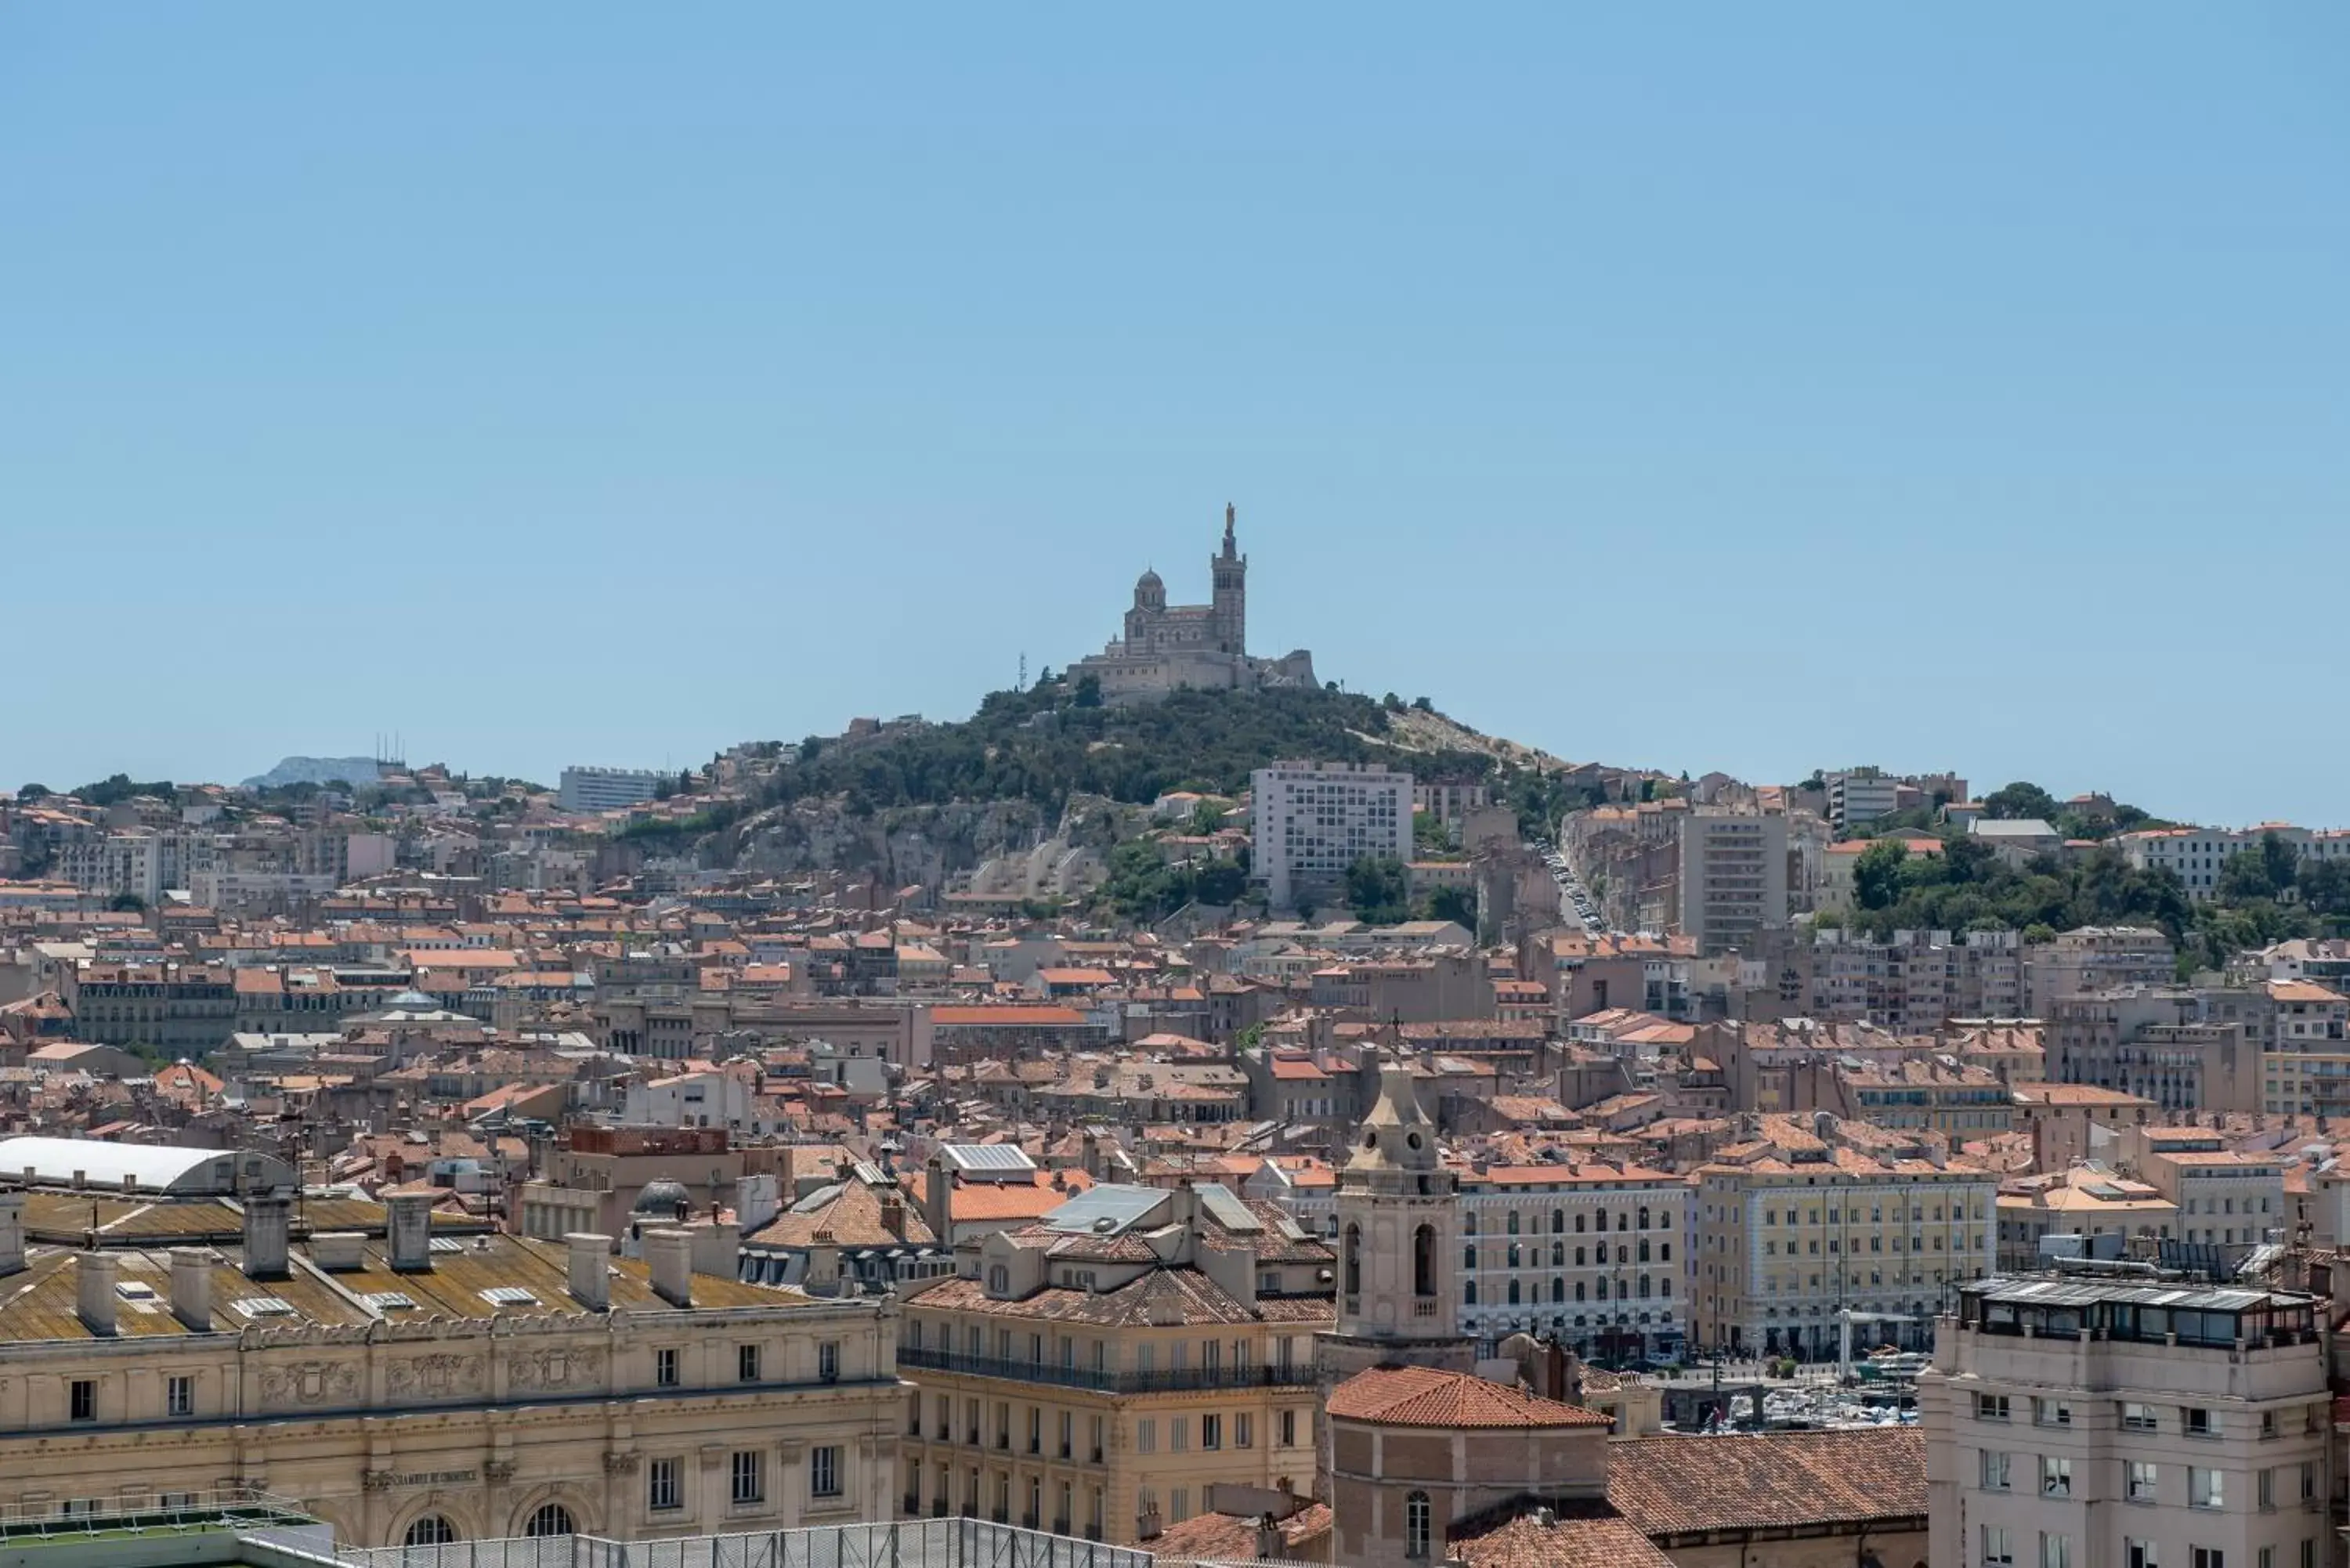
(1057, 740)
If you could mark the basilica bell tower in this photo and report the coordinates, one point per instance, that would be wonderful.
(1229, 572)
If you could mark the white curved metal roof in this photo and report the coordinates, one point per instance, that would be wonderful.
(138, 1167)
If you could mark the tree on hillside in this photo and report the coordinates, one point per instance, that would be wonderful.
(1377, 890)
(2021, 800)
(1088, 694)
(2323, 886)
(1876, 875)
(1455, 904)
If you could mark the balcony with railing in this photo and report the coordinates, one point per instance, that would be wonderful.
(1170, 1381)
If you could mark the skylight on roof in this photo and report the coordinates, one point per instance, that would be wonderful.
(134, 1291)
(264, 1306)
(389, 1301)
(509, 1295)
(446, 1244)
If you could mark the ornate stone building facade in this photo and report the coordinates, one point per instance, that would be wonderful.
(413, 1382)
(1165, 647)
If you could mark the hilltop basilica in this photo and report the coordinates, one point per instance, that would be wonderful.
(1205, 646)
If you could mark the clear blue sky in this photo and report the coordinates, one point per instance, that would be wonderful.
(1746, 386)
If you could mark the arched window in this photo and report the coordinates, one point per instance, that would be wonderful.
(1644, 1219)
(1514, 1291)
(1623, 1253)
(1557, 1221)
(1558, 1254)
(1601, 1291)
(1558, 1287)
(1354, 1264)
(1468, 1256)
(1644, 1287)
(429, 1531)
(1416, 1525)
(1469, 1293)
(1643, 1249)
(1602, 1226)
(1513, 1221)
(1423, 1261)
(551, 1519)
(1517, 1258)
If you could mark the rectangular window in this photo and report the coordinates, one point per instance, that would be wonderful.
(2199, 1422)
(665, 1368)
(1212, 1431)
(747, 1364)
(81, 1399)
(1994, 1471)
(2206, 1557)
(2267, 1489)
(2139, 1553)
(1990, 1406)
(1243, 1430)
(2308, 1482)
(827, 1360)
(2052, 1412)
(180, 1396)
(2055, 1550)
(1289, 1429)
(1178, 1433)
(824, 1470)
(2139, 1418)
(662, 1491)
(1996, 1551)
(2140, 1481)
(2206, 1488)
(2055, 1477)
(750, 1473)
(1146, 1437)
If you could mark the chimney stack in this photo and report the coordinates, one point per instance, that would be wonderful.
(267, 1227)
(669, 1258)
(410, 1229)
(12, 1232)
(192, 1288)
(97, 1271)
(893, 1215)
(718, 1249)
(938, 1202)
(591, 1279)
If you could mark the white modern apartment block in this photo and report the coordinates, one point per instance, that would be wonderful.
(1858, 796)
(2198, 854)
(606, 789)
(2073, 1422)
(1734, 878)
(1313, 820)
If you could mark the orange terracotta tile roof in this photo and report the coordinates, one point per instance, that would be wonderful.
(1670, 1485)
(1576, 1534)
(1429, 1397)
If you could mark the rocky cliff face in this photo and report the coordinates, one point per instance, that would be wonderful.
(932, 845)
(925, 844)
